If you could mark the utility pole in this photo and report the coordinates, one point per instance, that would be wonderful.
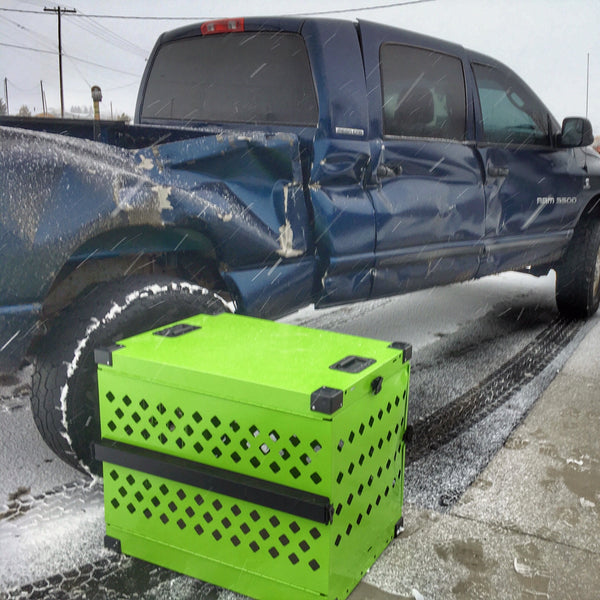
(44, 107)
(58, 10)
(6, 95)
(587, 87)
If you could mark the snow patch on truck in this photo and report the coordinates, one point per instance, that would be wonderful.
(162, 193)
(286, 233)
(146, 163)
(286, 240)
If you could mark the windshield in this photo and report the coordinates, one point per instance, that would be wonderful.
(239, 77)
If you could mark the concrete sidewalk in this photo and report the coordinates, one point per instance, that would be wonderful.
(529, 526)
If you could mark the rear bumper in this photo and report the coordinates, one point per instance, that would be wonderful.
(18, 324)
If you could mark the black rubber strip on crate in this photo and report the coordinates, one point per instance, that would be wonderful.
(235, 485)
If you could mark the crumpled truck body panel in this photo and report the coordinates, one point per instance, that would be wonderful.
(241, 191)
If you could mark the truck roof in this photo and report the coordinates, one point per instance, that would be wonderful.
(295, 24)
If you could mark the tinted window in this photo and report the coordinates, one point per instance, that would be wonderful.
(240, 77)
(511, 113)
(423, 93)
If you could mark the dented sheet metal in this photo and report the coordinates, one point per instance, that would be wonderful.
(250, 182)
(241, 191)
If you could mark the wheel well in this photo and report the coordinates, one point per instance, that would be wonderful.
(591, 211)
(78, 274)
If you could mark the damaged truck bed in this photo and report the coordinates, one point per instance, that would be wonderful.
(66, 202)
(276, 163)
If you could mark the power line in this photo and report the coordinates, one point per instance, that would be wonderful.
(54, 53)
(359, 9)
(131, 17)
(106, 35)
(20, 89)
(34, 34)
(122, 87)
(200, 18)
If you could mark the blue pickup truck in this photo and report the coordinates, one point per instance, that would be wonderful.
(276, 163)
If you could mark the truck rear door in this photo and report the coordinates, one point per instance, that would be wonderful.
(427, 183)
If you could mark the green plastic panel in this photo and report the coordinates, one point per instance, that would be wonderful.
(354, 457)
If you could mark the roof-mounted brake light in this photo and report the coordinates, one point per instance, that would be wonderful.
(222, 26)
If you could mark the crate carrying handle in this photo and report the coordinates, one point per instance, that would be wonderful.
(177, 330)
(352, 364)
(236, 485)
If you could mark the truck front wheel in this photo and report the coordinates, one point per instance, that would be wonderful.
(578, 273)
(64, 395)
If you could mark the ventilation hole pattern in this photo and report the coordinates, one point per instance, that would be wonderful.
(182, 515)
(281, 454)
(368, 470)
(356, 459)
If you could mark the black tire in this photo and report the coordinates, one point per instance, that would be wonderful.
(64, 397)
(578, 273)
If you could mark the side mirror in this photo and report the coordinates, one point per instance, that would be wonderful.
(576, 132)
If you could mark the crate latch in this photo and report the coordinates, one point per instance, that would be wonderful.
(376, 385)
(326, 400)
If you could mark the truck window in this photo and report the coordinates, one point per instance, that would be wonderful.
(423, 93)
(238, 78)
(511, 113)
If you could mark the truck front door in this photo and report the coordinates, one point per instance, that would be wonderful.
(532, 186)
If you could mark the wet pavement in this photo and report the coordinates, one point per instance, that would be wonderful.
(502, 491)
(529, 525)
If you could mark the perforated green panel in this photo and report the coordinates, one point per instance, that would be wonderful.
(355, 458)
(220, 528)
(219, 432)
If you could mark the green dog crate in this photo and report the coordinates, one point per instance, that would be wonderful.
(261, 457)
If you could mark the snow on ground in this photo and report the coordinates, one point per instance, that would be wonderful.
(421, 318)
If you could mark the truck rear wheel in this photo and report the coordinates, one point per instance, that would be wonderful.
(64, 395)
(578, 274)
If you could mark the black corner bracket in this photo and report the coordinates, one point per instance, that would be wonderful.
(399, 527)
(112, 544)
(406, 349)
(407, 436)
(103, 356)
(326, 400)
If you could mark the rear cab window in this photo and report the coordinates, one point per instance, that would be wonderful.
(249, 77)
(423, 93)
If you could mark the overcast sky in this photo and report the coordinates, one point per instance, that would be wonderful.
(546, 41)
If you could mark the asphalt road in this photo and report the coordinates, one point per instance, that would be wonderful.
(482, 354)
